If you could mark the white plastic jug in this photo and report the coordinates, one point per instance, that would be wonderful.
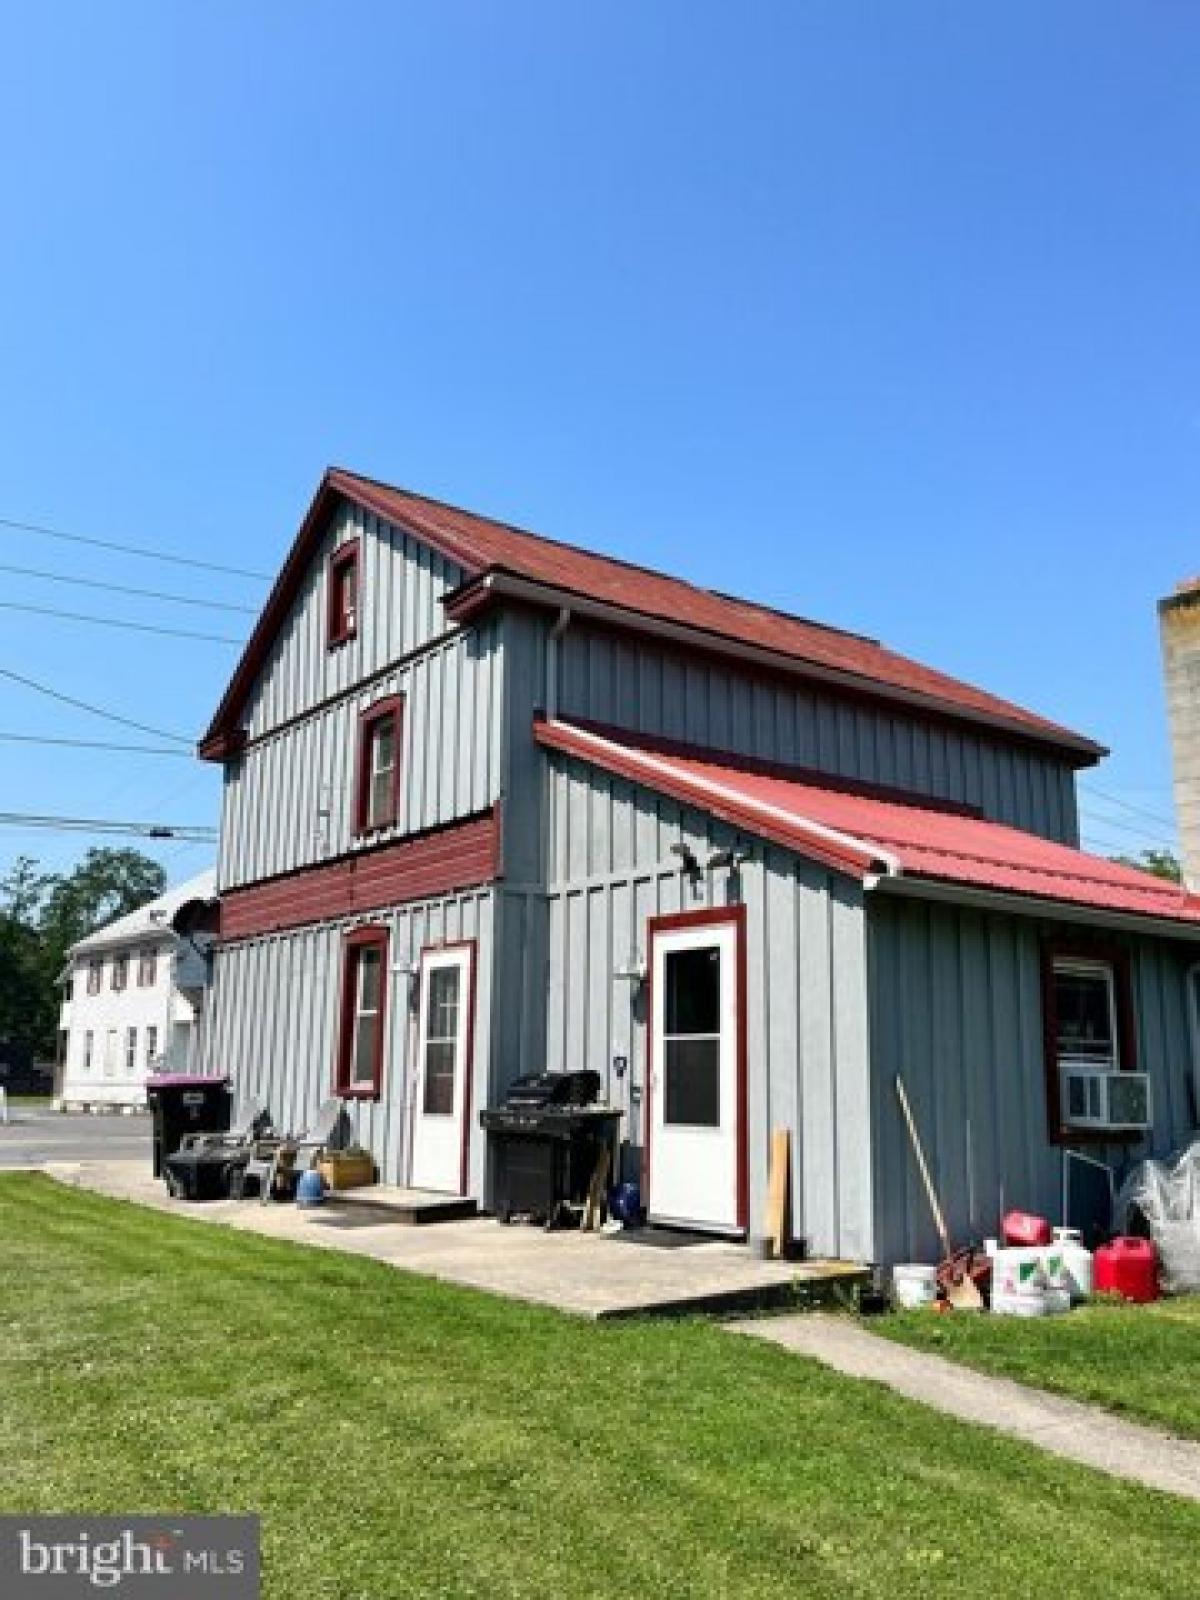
(1077, 1262)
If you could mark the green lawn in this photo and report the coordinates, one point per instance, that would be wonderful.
(1141, 1360)
(401, 1438)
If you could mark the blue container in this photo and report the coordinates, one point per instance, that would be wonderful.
(625, 1204)
(310, 1190)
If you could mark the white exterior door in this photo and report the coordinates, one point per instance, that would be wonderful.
(442, 1080)
(695, 1133)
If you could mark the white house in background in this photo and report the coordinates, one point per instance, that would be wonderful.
(134, 1003)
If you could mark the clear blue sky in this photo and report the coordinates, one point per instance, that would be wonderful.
(884, 313)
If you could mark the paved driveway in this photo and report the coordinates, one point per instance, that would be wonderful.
(33, 1136)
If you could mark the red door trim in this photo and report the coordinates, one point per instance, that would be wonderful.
(471, 946)
(716, 916)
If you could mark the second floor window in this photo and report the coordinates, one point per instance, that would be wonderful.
(120, 972)
(381, 727)
(147, 967)
(95, 968)
(342, 614)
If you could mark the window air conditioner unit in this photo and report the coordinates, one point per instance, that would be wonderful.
(1094, 1096)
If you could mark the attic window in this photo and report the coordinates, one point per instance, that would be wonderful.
(343, 588)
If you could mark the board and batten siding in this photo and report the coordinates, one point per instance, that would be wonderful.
(652, 689)
(610, 869)
(401, 585)
(288, 799)
(956, 1009)
(274, 1023)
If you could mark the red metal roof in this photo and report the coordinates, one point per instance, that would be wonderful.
(481, 546)
(863, 834)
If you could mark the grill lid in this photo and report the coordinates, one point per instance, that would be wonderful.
(536, 1090)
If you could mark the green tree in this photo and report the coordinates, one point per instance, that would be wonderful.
(1162, 863)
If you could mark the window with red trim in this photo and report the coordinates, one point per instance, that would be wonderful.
(344, 595)
(359, 1069)
(1088, 1021)
(380, 733)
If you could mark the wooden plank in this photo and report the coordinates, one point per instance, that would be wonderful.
(776, 1229)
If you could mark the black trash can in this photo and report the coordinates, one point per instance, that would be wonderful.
(181, 1104)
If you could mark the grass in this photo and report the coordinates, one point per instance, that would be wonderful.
(404, 1438)
(1143, 1361)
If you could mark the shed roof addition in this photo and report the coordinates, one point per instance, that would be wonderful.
(870, 837)
(495, 556)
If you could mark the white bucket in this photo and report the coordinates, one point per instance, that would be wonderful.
(913, 1286)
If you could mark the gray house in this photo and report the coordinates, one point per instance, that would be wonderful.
(494, 804)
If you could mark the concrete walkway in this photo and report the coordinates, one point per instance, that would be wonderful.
(1063, 1427)
(587, 1274)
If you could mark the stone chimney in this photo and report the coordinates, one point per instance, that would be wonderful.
(1179, 627)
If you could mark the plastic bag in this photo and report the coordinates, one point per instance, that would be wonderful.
(1162, 1198)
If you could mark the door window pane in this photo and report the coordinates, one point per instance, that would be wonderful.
(693, 985)
(692, 1074)
(443, 1003)
(439, 1078)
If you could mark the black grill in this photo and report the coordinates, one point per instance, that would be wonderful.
(545, 1142)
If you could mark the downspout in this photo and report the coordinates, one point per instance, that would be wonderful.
(561, 623)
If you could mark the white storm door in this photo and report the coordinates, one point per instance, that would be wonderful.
(694, 1116)
(442, 1086)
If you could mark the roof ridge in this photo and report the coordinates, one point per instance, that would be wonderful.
(597, 555)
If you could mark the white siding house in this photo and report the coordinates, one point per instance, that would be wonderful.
(134, 1004)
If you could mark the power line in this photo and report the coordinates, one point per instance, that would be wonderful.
(96, 744)
(96, 711)
(125, 588)
(1118, 823)
(130, 549)
(1138, 811)
(116, 622)
(192, 832)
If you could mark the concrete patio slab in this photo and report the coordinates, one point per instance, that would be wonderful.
(586, 1274)
(1063, 1427)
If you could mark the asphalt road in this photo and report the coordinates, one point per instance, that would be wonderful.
(33, 1136)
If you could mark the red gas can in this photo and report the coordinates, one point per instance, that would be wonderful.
(1128, 1267)
(1026, 1231)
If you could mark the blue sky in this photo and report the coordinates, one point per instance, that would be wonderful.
(884, 313)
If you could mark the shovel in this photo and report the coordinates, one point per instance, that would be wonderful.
(961, 1291)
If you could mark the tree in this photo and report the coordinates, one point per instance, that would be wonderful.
(1162, 863)
(105, 885)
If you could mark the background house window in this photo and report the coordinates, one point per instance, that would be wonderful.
(120, 972)
(147, 967)
(380, 732)
(130, 1051)
(342, 619)
(364, 1010)
(151, 1046)
(94, 973)
(88, 1047)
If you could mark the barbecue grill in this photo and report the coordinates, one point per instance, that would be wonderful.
(545, 1141)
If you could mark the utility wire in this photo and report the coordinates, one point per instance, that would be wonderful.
(131, 549)
(1137, 811)
(96, 711)
(1132, 828)
(116, 622)
(124, 588)
(145, 830)
(96, 744)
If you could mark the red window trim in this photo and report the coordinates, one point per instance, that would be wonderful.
(337, 631)
(375, 938)
(1117, 957)
(714, 916)
(391, 706)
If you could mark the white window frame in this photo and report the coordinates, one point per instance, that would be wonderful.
(1082, 967)
(89, 1048)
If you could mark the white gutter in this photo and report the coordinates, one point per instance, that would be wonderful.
(626, 617)
(734, 797)
(1011, 903)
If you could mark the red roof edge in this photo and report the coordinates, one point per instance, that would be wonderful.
(841, 852)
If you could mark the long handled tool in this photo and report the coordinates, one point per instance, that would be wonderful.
(960, 1290)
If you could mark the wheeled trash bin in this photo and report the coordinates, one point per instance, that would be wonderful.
(184, 1103)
